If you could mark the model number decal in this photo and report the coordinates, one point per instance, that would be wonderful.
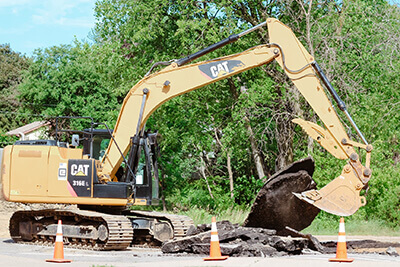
(79, 183)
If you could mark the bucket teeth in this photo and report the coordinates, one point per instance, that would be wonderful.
(304, 198)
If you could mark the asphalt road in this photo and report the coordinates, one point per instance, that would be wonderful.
(12, 254)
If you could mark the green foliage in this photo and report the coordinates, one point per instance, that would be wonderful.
(71, 81)
(6, 140)
(196, 194)
(12, 64)
(246, 189)
(233, 214)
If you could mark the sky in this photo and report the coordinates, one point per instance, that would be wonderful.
(30, 24)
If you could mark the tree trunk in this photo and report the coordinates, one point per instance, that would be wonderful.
(256, 154)
(228, 161)
(254, 150)
(228, 155)
(203, 173)
(284, 138)
(288, 106)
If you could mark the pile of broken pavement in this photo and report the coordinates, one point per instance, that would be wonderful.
(238, 241)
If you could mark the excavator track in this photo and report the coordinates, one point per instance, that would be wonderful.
(179, 223)
(92, 230)
(81, 229)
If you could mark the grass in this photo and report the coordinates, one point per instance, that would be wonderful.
(353, 227)
(202, 216)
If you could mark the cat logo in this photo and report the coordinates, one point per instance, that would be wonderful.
(220, 68)
(80, 169)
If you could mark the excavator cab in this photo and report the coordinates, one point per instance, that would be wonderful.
(141, 168)
(96, 140)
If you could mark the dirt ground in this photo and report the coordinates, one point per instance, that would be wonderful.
(6, 210)
(4, 217)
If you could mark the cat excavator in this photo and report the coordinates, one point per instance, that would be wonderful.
(105, 188)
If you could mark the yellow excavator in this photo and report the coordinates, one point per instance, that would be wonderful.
(50, 171)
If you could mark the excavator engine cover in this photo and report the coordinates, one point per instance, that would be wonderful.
(276, 206)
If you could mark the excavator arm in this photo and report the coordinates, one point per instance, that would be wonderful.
(341, 196)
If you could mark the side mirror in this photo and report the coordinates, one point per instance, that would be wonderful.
(75, 140)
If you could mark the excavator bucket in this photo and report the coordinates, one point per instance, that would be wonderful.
(276, 207)
(341, 196)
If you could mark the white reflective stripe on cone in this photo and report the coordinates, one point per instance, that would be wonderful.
(214, 238)
(59, 238)
(341, 228)
(341, 238)
(213, 227)
(59, 229)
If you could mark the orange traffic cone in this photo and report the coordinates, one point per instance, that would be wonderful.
(215, 250)
(59, 246)
(341, 248)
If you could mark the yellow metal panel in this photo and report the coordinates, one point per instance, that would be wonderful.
(35, 177)
(138, 202)
(29, 170)
(5, 171)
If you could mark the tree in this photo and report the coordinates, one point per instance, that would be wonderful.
(72, 80)
(12, 64)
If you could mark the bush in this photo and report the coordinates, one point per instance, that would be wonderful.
(6, 140)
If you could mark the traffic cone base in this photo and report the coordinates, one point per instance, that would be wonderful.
(220, 258)
(59, 247)
(341, 260)
(59, 261)
(215, 250)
